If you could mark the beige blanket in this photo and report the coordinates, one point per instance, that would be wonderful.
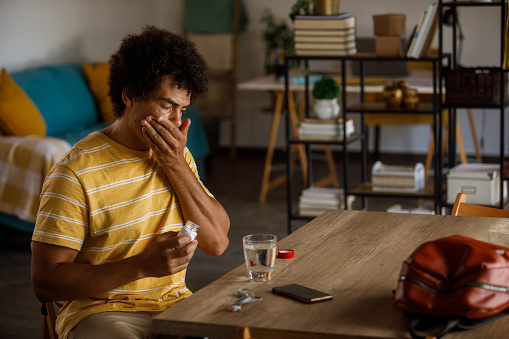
(24, 164)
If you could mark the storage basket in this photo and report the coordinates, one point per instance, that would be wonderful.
(474, 86)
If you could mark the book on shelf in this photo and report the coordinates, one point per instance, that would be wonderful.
(422, 32)
(323, 52)
(316, 200)
(409, 41)
(427, 33)
(327, 39)
(505, 63)
(420, 23)
(302, 34)
(325, 128)
(320, 192)
(328, 46)
(430, 35)
(332, 126)
(343, 15)
(325, 22)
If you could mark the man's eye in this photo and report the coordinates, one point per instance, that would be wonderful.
(169, 108)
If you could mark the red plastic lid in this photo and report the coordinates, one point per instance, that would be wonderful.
(285, 254)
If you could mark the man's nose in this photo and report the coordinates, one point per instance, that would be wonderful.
(176, 117)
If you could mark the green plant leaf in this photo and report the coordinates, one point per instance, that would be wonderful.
(326, 88)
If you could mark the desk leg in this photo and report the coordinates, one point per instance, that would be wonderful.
(294, 118)
(270, 148)
(332, 178)
(474, 136)
(268, 184)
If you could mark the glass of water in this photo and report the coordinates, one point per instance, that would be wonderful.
(260, 255)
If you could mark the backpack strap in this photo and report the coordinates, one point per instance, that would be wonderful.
(425, 327)
(467, 324)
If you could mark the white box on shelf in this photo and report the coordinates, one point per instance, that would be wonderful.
(397, 178)
(480, 182)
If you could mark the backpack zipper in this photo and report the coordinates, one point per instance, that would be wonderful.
(490, 287)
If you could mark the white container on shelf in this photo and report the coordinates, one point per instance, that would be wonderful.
(397, 178)
(480, 182)
(326, 109)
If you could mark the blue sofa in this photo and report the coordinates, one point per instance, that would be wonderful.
(63, 97)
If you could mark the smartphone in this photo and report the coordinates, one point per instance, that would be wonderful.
(302, 293)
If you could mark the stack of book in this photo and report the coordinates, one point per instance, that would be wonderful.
(325, 35)
(420, 41)
(316, 200)
(319, 128)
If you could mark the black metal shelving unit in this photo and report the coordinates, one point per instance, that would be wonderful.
(454, 5)
(434, 191)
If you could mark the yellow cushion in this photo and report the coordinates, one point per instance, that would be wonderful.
(18, 114)
(97, 77)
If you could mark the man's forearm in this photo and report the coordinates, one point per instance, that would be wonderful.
(56, 275)
(199, 207)
(71, 281)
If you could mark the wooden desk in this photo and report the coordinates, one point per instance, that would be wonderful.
(354, 255)
(270, 83)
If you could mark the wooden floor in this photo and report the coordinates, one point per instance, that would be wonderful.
(235, 184)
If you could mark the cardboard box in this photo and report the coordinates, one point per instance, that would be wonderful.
(383, 68)
(389, 24)
(480, 182)
(388, 45)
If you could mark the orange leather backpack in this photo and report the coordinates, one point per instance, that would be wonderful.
(455, 283)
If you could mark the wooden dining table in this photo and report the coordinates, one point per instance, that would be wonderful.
(356, 257)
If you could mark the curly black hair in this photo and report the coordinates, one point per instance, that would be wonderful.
(143, 60)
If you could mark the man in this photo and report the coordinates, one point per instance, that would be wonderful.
(105, 238)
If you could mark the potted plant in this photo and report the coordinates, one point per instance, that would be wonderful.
(278, 39)
(326, 92)
(301, 7)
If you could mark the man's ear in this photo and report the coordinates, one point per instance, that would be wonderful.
(127, 98)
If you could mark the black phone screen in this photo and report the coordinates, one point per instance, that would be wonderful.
(302, 293)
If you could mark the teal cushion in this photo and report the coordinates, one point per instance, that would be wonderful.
(73, 137)
(14, 222)
(196, 137)
(197, 140)
(62, 96)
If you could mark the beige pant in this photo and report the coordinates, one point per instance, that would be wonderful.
(114, 325)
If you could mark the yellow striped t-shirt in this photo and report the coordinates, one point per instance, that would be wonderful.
(108, 201)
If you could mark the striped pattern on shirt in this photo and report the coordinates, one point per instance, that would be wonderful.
(107, 202)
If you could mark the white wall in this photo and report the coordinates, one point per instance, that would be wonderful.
(39, 32)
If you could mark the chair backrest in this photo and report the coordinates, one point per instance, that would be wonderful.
(220, 49)
(48, 319)
(461, 208)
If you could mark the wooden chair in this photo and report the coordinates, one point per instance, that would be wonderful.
(461, 208)
(48, 319)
